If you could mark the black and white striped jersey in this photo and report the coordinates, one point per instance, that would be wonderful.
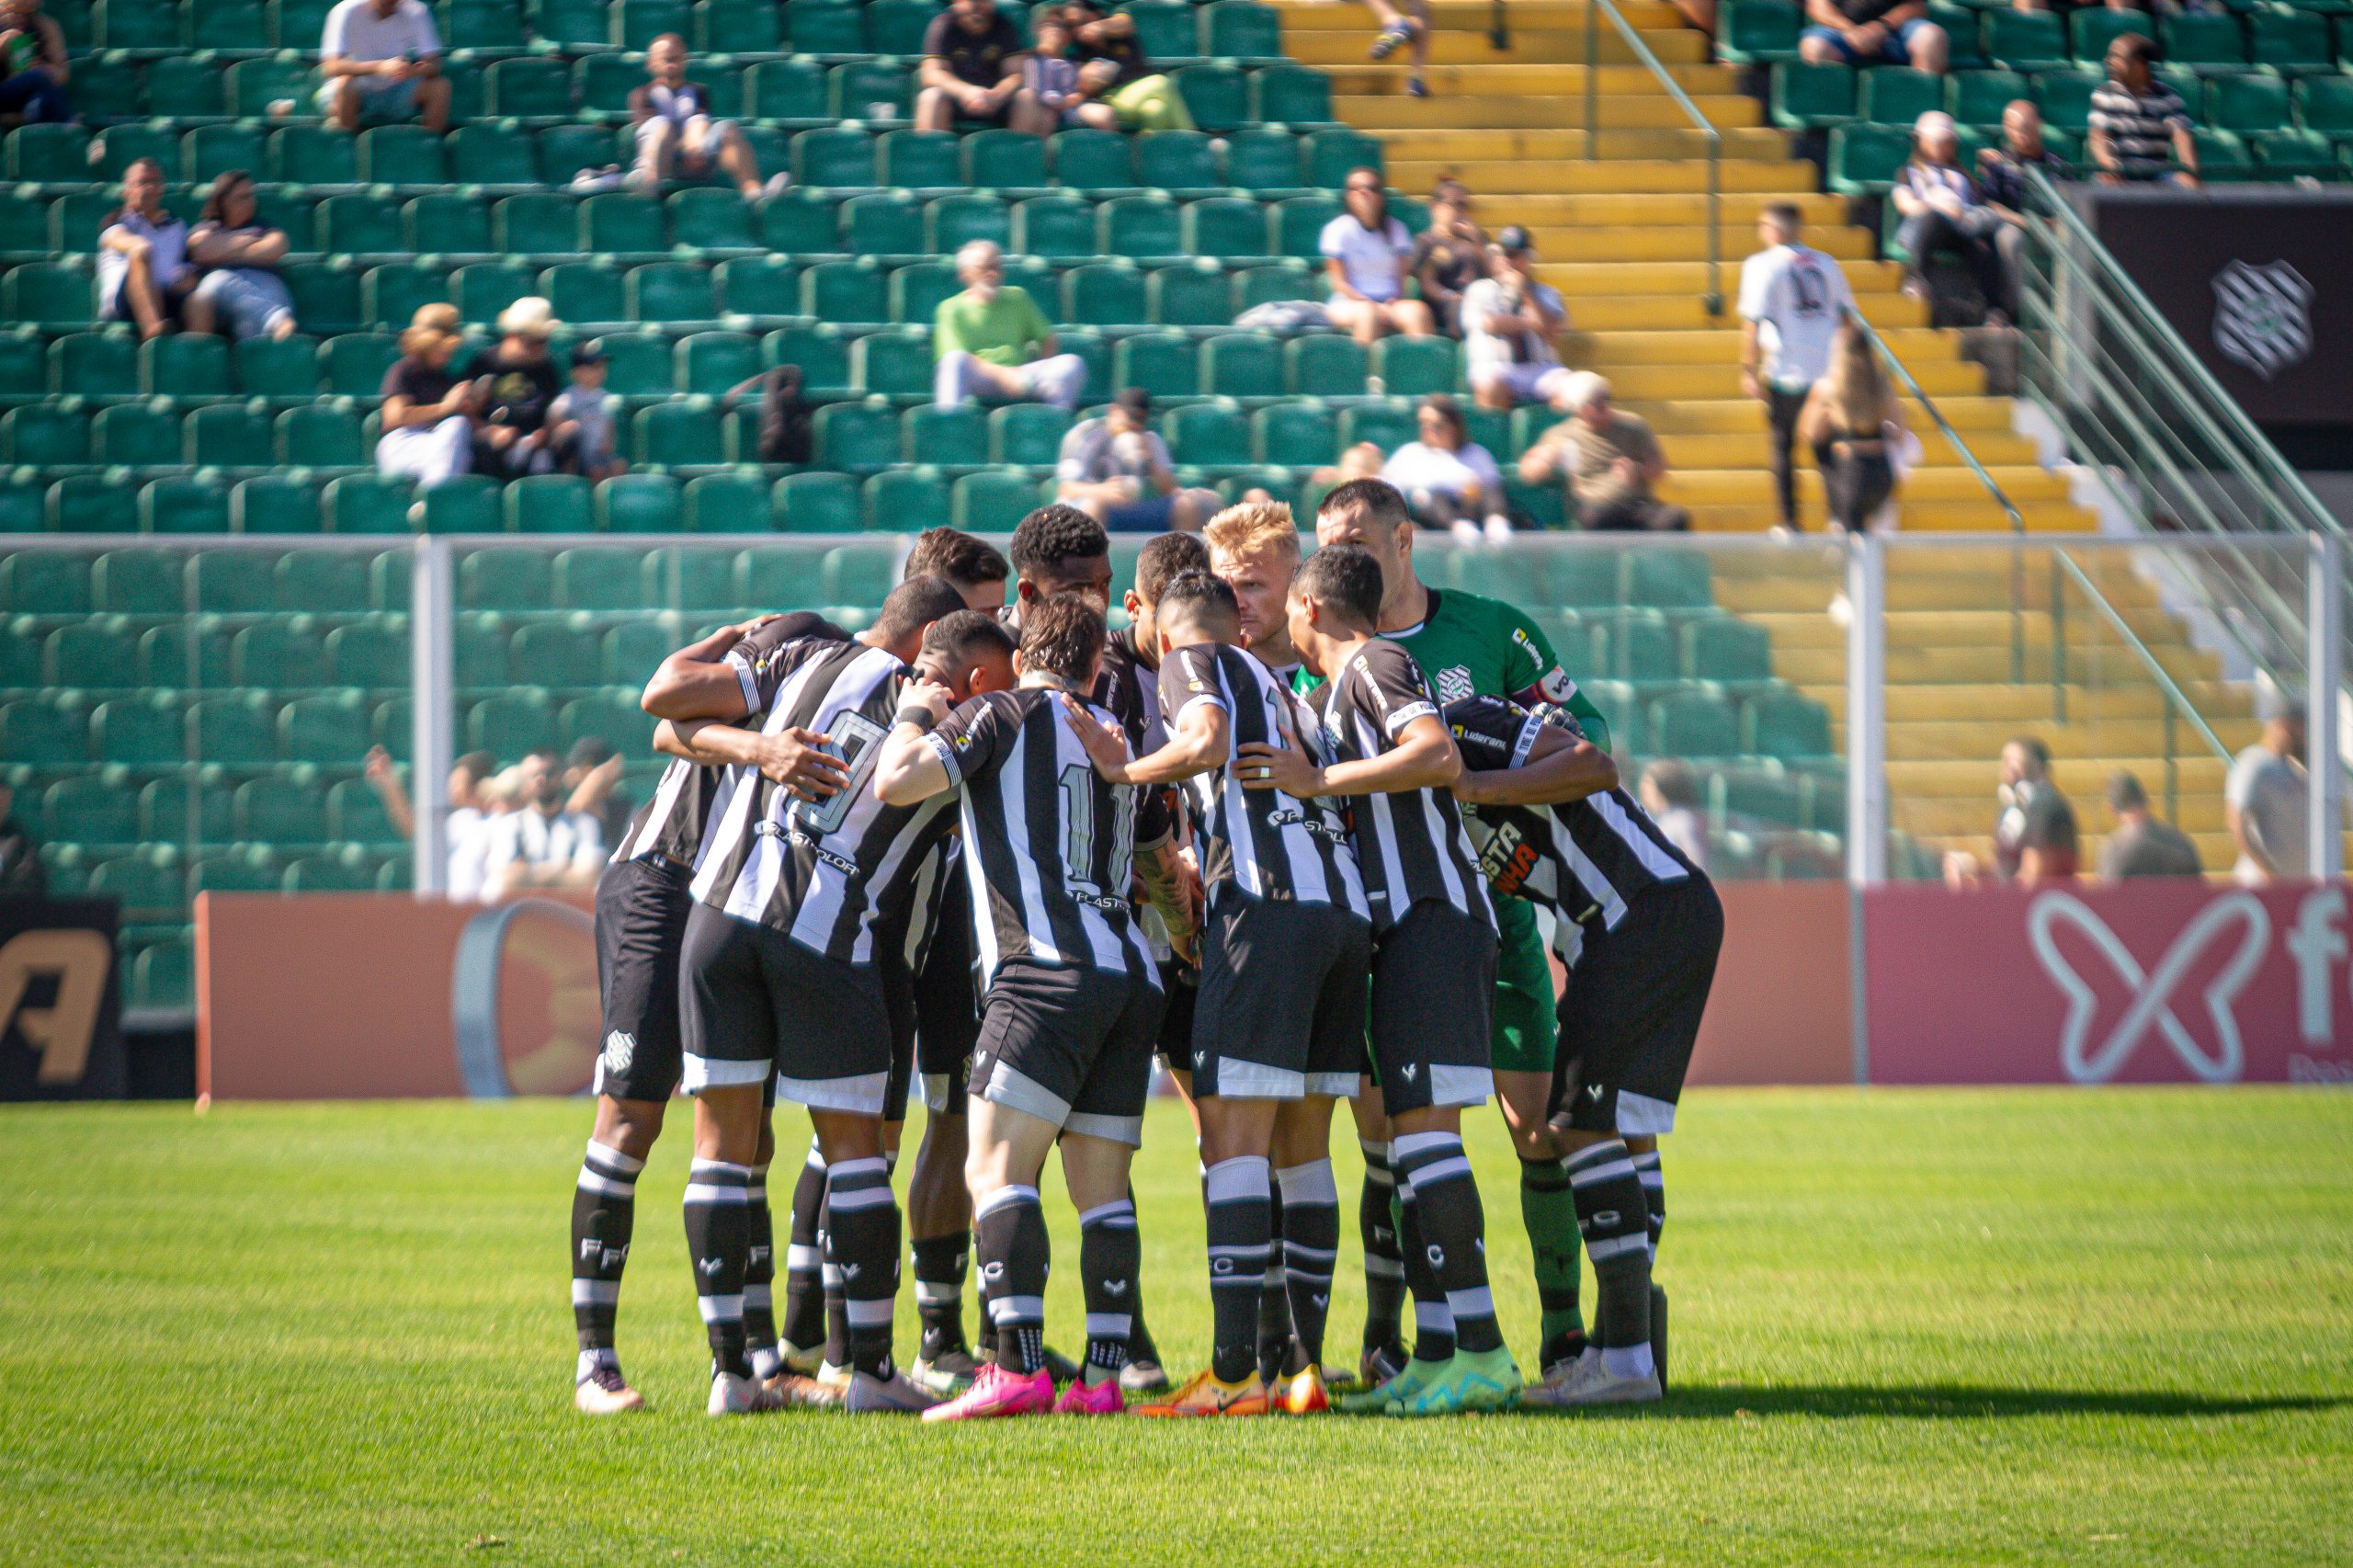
(1049, 843)
(671, 823)
(1411, 844)
(1588, 859)
(820, 871)
(1268, 843)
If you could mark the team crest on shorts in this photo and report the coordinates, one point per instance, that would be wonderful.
(620, 1048)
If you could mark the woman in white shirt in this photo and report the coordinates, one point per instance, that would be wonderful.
(1368, 255)
(1448, 480)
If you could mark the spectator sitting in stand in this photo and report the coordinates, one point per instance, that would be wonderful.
(674, 127)
(1873, 32)
(580, 420)
(2034, 839)
(2001, 180)
(21, 872)
(1117, 471)
(2142, 846)
(143, 275)
(1610, 460)
(34, 68)
(1511, 325)
(1051, 77)
(428, 433)
(1113, 70)
(2136, 120)
(1449, 255)
(1449, 481)
(1944, 214)
(1670, 792)
(515, 384)
(2266, 799)
(381, 60)
(592, 773)
(240, 288)
(971, 72)
(1365, 253)
(994, 343)
(542, 843)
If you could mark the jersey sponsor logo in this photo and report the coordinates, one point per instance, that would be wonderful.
(79, 963)
(1556, 686)
(1099, 901)
(620, 1049)
(1508, 859)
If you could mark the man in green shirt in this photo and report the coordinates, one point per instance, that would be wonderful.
(993, 341)
(1471, 646)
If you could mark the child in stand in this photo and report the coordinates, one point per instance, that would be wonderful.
(580, 420)
(1050, 74)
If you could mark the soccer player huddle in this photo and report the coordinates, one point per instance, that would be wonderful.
(1292, 830)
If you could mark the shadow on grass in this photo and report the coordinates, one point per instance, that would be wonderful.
(1724, 1401)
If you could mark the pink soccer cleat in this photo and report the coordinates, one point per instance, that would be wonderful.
(997, 1391)
(1083, 1398)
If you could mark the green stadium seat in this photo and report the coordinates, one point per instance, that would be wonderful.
(1332, 154)
(51, 731)
(1635, 644)
(671, 291)
(2025, 40)
(857, 435)
(2203, 41)
(945, 437)
(1295, 435)
(550, 503)
(2222, 156)
(2091, 29)
(1209, 435)
(492, 152)
(91, 504)
(344, 869)
(233, 580)
(712, 220)
(1328, 365)
(1166, 29)
(916, 292)
(845, 292)
(716, 361)
(1892, 94)
(99, 652)
(369, 654)
(354, 364)
(1029, 435)
(138, 435)
(44, 584)
(877, 90)
(1782, 723)
(1225, 227)
(896, 27)
(147, 881)
(1290, 95)
(2244, 103)
(210, 151)
(45, 434)
(278, 367)
(367, 504)
(1805, 95)
(228, 24)
(2291, 42)
(564, 150)
(2325, 104)
(1386, 426)
(741, 27)
(682, 433)
(1175, 160)
(48, 293)
(1217, 95)
(950, 222)
(838, 156)
(1004, 160)
(277, 503)
(98, 807)
(622, 221)
(327, 297)
(1242, 365)
(483, 24)
(1141, 226)
(559, 652)
(118, 146)
(484, 289)
(1756, 31)
(185, 365)
(538, 223)
(1694, 723)
(226, 435)
(1978, 97)
(392, 294)
(95, 364)
(1096, 160)
(401, 154)
(56, 154)
(643, 21)
(825, 26)
(636, 364)
(356, 815)
(185, 504)
(331, 728)
(1415, 367)
(138, 582)
(1061, 227)
(885, 223)
(587, 291)
(1105, 294)
(573, 23)
(728, 503)
(758, 286)
(186, 87)
(319, 154)
(322, 581)
(239, 731)
(903, 499)
(640, 502)
(2065, 99)
(789, 90)
(1263, 161)
(1864, 158)
(512, 722)
(1165, 364)
(255, 85)
(800, 222)
(817, 503)
(1241, 27)
(992, 503)
(467, 504)
(1199, 294)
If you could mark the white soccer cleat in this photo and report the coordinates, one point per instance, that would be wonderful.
(604, 1391)
(946, 1376)
(731, 1395)
(1592, 1382)
(1553, 1392)
(894, 1395)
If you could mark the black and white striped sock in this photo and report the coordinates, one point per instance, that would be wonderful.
(801, 1325)
(1433, 1319)
(603, 1217)
(1241, 1223)
(941, 1264)
(1384, 1263)
(718, 1238)
(1453, 1226)
(1011, 1229)
(1615, 1222)
(1110, 1257)
(1653, 1197)
(1274, 1300)
(759, 1281)
(1311, 1211)
(862, 1251)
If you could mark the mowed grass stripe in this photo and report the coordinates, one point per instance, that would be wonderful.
(1915, 1326)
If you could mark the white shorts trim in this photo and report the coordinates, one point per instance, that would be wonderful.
(718, 1072)
(1461, 1086)
(1240, 1080)
(859, 1094)
(1016, 1090)
(1128, 1130)
(1640, 1116)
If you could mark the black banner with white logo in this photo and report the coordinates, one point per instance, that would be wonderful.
(2258, 279)
(61, 1011)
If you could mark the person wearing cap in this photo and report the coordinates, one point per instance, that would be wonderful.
(1118, 471)
(1610, 460)
(515, 382)
(1510, 323)
(1945, 215)
(428, 433)
(993, 341)
(674, 128)
(580, 420)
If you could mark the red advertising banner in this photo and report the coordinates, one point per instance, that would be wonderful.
(2155, 982)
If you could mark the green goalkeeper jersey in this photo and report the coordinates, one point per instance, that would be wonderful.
(1471, 646)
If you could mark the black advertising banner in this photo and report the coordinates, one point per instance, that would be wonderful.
(2258, 279)
(60, 1016)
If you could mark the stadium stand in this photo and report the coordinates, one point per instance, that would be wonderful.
(198, 720)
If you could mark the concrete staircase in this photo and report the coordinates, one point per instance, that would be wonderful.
(1624, 237)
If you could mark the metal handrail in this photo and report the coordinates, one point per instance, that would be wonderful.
(1714, 299)
(1992, 486)
(2175, 696)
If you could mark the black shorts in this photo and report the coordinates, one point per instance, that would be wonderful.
(1182, 986)
(1632, 1010)
(948, 1011)
(640, 920)
(1433, 994)
(1280, 1013)
(758, 1005)
(1069, 1045)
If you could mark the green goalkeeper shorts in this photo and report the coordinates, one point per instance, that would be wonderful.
(1527, 1027)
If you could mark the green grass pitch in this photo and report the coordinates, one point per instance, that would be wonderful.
(1943, 1326)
